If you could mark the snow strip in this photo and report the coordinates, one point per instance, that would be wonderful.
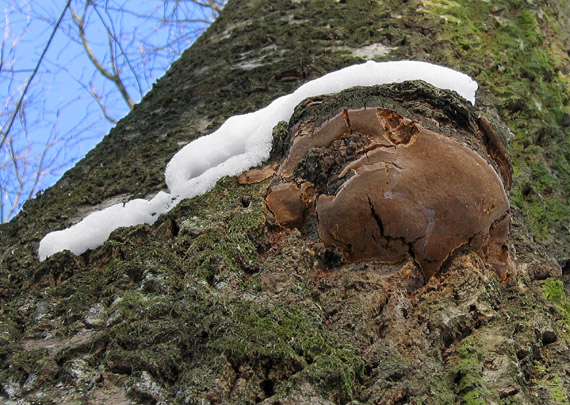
(242, 142)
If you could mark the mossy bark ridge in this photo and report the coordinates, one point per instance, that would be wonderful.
(217, 303)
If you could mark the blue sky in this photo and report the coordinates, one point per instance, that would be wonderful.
(61, 107)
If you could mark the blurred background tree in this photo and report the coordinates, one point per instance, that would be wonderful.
(70, 70)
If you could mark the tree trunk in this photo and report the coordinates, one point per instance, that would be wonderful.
(225, 299)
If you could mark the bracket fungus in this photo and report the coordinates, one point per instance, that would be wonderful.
(392, 181)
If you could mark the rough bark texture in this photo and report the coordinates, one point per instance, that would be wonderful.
(216, 303)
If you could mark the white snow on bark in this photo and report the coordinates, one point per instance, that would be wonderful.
(242, 142)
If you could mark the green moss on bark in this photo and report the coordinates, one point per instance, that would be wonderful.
(553, 290)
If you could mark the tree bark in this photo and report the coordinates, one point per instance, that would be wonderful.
(220, 302)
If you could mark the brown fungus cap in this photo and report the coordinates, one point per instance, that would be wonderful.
(381, 186)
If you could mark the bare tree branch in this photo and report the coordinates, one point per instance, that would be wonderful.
(6, 132)
(114, 77)
(213, 4)
(101, 104)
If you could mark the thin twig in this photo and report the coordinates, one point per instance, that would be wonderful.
(80, 22)
(13, 117)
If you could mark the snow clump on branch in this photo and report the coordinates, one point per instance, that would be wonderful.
(242, 142)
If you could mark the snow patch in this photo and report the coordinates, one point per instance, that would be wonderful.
(242, 142)
(372, 51)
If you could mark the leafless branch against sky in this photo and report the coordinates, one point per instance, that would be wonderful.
(70, 71)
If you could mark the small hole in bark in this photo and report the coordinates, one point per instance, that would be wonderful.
(457, 378)
(522, 353)
(332, 258)
(395, 376)
(548, 337)
(403, 400)
(268, 387)
(526, 190)
(565, 264)
(382, 332)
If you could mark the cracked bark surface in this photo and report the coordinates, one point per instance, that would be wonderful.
(386, 187)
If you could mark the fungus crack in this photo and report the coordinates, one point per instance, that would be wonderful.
(499, 219)
(376, 217)
(347, 120)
